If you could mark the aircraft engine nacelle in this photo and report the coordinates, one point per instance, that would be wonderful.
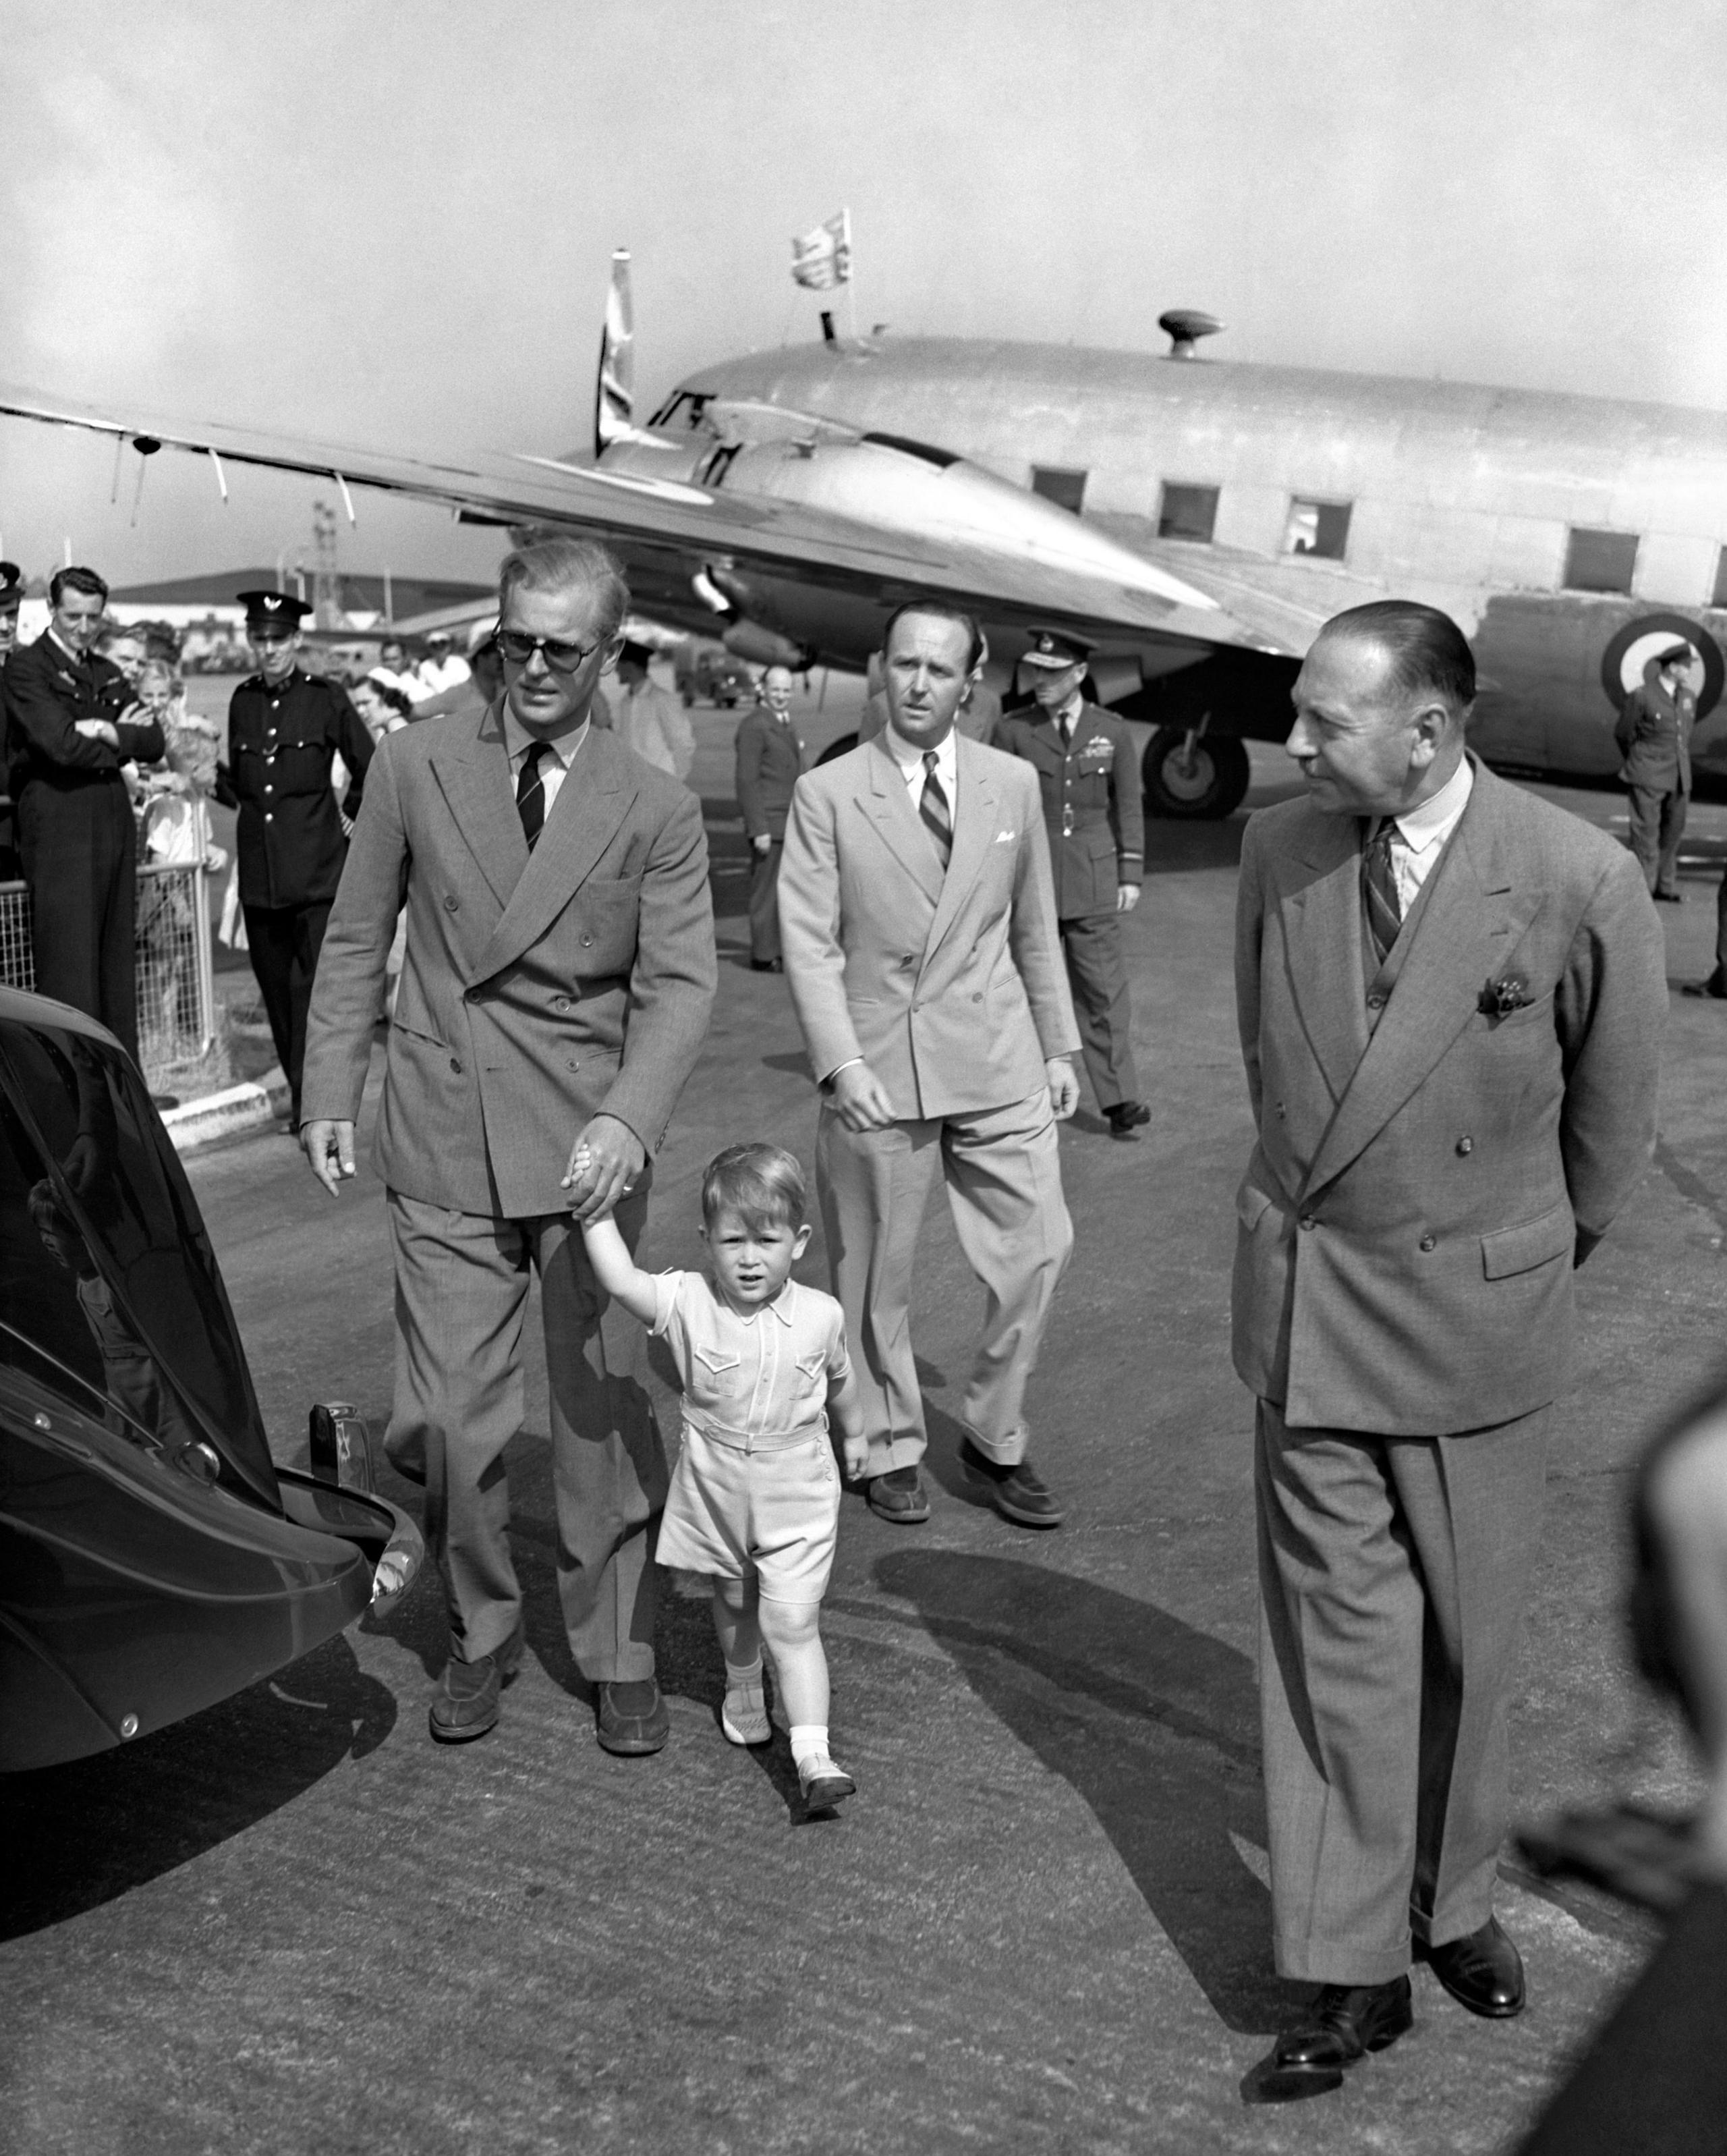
(932, 496)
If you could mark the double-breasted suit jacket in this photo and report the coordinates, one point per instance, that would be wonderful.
(536, 991)
(1425, 1175)
(950, 985)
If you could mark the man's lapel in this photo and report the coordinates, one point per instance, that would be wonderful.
(885, 799)
(974, 833)
(1474, 918)
(1323, 938)
(592, 802)
(473, 769)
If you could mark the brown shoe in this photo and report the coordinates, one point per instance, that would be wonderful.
(899, 1496)
(631, 1717)
(1018, 1493)
(466, 1704)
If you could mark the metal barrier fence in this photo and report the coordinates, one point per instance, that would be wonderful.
(176, 987)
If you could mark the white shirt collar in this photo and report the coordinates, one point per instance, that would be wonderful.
(781, 1306)
(1432, 821)
(517, 739)
(911, 758)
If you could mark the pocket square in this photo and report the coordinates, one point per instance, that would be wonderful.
(1005, 838)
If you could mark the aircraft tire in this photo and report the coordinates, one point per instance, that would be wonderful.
(1202, 784)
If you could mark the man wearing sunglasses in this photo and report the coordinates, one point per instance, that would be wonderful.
(284, 733)
(555, 992)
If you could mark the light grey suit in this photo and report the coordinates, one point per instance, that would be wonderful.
(536, 992)
(951, 986)
(1427, 1171)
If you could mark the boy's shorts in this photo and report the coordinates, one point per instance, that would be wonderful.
(773, 1510)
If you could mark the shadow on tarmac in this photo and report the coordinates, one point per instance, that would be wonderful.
(85, 1834)
(1153, 1724)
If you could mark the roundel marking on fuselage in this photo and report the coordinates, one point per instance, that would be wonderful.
(1628, 653)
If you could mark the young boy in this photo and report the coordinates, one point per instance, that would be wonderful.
(755, 1500)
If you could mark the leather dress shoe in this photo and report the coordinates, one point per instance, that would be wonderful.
(1715, 987)
(1126, 1118)
(768, 965)
(631, 1717)
(1669, 897)
(899, 1496)
(1018, 1493)
(1482, 1971)
(466, 1703)
(1344, 2023)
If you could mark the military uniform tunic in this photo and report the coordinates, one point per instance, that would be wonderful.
(282, 739)
(1095, 820)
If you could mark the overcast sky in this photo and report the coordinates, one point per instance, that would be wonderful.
(389, 220)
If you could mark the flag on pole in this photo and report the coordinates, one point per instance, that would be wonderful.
(822, 259)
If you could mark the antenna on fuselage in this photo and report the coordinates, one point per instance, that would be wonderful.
(1185, 327)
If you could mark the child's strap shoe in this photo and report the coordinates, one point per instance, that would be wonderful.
(824, 1784)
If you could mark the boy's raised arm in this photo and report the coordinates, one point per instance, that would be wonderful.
(616, 1270)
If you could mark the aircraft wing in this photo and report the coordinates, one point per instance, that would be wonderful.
(679, 521)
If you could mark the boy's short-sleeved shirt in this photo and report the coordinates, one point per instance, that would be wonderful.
(760, 1375)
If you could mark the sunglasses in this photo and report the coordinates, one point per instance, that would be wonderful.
(562, 658)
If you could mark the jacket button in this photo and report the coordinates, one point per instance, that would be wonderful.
(452, 904)
(456, 1066)
(572, 1065)
(268, 816)
(1466, 1145)
(585, 941)
(561, 1003)
(1428, 1243)
(1309, 1221)
(1375, 1001)
(1281, 1111)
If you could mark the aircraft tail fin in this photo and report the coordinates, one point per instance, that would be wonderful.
(615, 390)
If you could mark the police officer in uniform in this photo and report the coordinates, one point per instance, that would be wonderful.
(285, 731)
(1090, 774)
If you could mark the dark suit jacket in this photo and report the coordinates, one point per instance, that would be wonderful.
(1654, 735)
(770, 761)
(1410, 1217)
(46, 692)
(1092, 807)
(535, 991)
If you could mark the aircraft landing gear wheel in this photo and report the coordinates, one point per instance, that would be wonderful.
(1194, 775)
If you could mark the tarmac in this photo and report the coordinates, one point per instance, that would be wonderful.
(293, 1924)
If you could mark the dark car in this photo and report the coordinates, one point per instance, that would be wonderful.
(154, 1558)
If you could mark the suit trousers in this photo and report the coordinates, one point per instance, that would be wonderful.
(1097, 973)
(79, 848)
(1002, 1169)
(461, 1286)
(765, 903)
(284, 942)
(1658, 824)
(1392, 1576)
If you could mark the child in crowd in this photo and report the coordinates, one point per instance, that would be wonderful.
(755, 1500)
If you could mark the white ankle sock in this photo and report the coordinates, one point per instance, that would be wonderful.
(809, 1740)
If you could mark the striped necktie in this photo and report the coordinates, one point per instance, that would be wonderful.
(1379, 906)
(530, 793)
(932, 807)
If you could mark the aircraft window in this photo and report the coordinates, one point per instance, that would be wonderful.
(1599, 561)
(941, 458)
(1056, 483)
(1188, 512)
(1720, 595)
(683, 408)
(1318, 527)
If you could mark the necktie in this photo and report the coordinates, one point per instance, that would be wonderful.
(932, 807)
(530, 793)
(1379, 892)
